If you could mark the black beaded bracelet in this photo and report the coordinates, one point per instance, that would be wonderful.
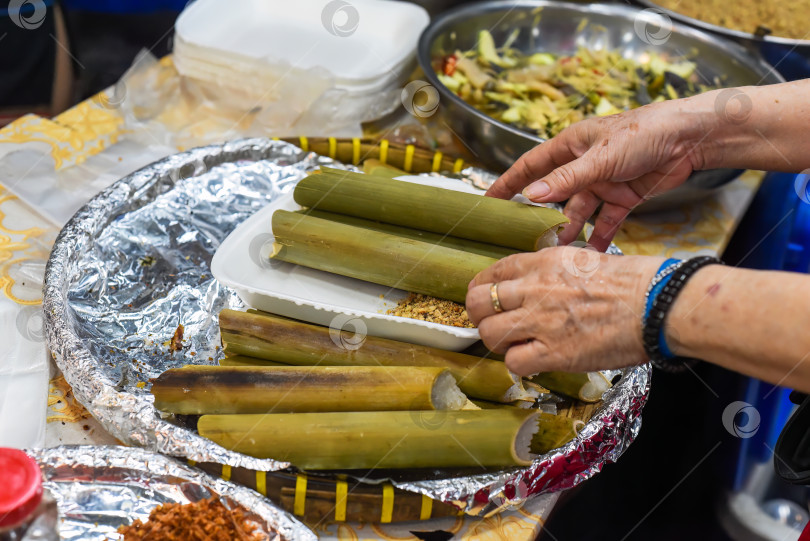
(653, 325)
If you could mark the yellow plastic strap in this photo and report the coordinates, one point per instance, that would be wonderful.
(384, 150)
(304, 143)
(191, 463)
(261, 482)
(437, 162)
(387, 504)
(427, 508)
(226, 472)
(458, 166)
(341, 493)
(300, 495)
(332, 147)
(355, 150)
(409, 150)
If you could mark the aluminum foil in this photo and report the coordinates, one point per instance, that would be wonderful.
(133, 264)
(99, 489)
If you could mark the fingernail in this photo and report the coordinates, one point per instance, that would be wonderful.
(537, 190)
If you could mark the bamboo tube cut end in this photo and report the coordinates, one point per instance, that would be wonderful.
(549, 238)
(596, 386)
(521, 392)
(553, 432)
(523, 440)
(445, 394)
(470, 405)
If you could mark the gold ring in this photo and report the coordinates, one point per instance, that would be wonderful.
(493, 296)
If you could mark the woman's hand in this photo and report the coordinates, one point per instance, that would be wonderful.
(620, 160)
(566, 308)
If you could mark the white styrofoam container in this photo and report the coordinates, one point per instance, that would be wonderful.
(241, 263)
(358, 41)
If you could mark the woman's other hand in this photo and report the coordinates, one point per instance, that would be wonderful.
(619, 160)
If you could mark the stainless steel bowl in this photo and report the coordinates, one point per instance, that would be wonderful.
(561, 30)
(791, 57)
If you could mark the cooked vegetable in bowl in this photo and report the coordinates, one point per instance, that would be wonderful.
(544, 93)
(530, 37)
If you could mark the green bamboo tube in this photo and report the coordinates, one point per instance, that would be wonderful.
(197, 390)
(384, 439)
(378, 168)
(284, 340)
(448, 241)
(376, 257)
(487, 405)
(554, 431)
(585, 386)
(470, 216)
(241, 360)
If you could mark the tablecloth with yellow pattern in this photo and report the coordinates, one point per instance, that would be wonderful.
(73, 150)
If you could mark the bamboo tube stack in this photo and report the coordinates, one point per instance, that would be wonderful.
(375, 256)
(288, 390)
(419, 238)
(291, 391)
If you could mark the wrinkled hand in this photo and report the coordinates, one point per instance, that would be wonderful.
(620, 160)
(565, 309)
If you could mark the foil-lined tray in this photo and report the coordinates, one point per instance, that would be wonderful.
(133, 264)
(98, 489)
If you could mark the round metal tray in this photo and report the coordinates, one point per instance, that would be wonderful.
(135, 261)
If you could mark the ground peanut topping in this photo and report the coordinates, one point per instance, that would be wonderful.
(425, 308)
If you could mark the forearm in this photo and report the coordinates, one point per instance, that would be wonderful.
(753, 322)
(755, 127)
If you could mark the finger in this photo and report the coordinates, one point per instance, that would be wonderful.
(578, 209)
(479, 300)
(567, 180)
(607, 224)
(530, 358)
(654, 183)
(504, 269)
(502, 331)
(618, 193)
(531, 166)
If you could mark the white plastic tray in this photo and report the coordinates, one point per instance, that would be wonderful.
(241, 263)
(371, 37)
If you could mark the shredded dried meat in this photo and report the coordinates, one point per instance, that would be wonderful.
(205, 520)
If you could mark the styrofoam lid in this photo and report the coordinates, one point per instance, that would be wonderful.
(357, 39)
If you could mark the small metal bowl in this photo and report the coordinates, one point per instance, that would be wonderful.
(560, 30)
(791, 57)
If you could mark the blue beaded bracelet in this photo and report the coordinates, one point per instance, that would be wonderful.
(657, 284)
(660, 299)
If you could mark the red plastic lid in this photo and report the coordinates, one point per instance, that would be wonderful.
(20, 486)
